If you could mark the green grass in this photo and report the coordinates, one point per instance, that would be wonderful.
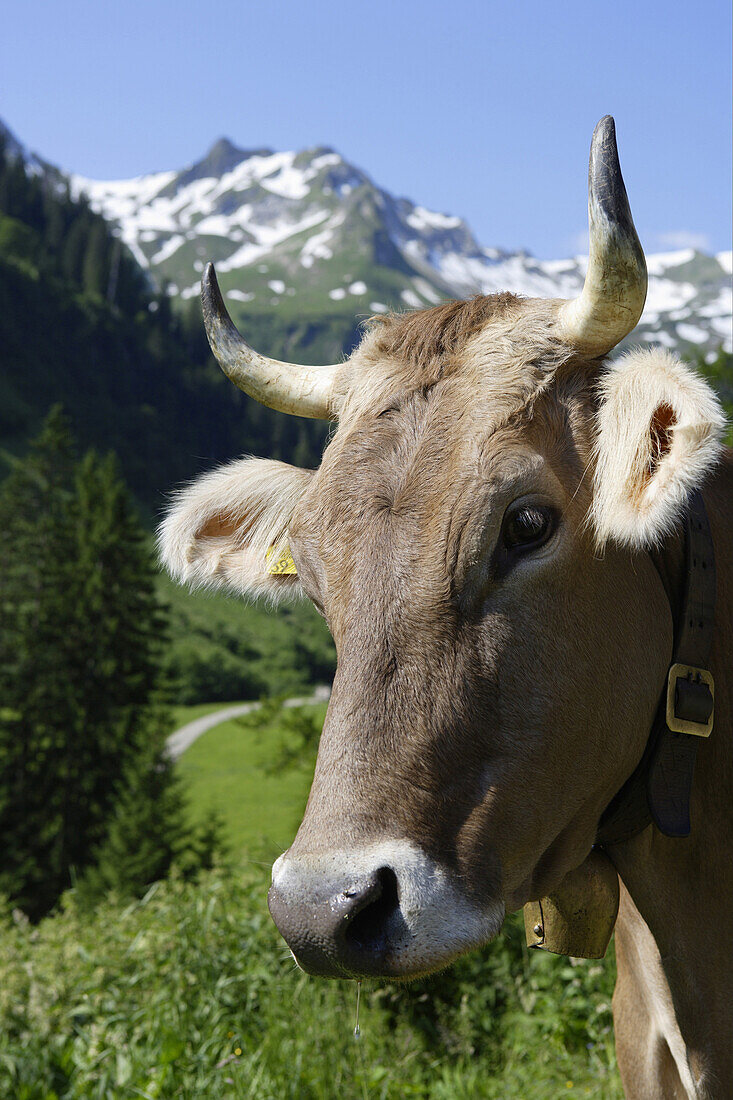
(191, 993)
(253, 772)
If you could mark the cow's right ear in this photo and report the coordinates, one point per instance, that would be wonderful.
(229, 528)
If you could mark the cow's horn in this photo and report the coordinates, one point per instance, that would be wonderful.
(613, 296)
(287, 387)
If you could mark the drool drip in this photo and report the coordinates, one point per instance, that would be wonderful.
(357, 1029)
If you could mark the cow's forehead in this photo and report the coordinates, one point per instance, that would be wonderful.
(429, 446)
(430, 411)
(499, 349)
(429, 470)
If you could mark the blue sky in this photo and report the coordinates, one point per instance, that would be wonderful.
(480, 109)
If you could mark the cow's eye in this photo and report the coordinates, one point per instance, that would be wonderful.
(528, 526)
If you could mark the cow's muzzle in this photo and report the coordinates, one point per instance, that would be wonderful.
(385, 910)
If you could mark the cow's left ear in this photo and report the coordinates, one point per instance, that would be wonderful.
(228, 529)
(658, 433)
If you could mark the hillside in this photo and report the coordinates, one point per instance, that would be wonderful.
(82, 325)
(306, 242)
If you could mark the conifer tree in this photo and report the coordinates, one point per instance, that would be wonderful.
(37, 705)
(146, 829)
(81, 730)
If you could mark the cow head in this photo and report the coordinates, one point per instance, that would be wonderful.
(476, 538)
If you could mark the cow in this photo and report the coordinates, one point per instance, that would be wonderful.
(497, 537)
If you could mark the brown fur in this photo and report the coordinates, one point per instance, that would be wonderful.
(431, 340)
(389, 543)
(488, 713)
(501, 348)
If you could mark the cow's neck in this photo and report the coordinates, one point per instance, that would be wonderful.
(683, 888)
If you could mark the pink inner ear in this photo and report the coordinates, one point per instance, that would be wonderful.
(218, 526)
(663, 422)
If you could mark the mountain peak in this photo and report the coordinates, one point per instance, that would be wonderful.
(306, 233)
(323, 151)
(222, 147)
(225, 155)
(222, 157)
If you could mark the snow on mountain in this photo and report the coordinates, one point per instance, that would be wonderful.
(309, 231)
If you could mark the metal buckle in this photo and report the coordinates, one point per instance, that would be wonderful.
(697, 677)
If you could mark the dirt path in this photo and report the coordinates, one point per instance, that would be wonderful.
(184, 737)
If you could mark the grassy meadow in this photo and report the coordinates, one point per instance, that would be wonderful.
(190, 992)
(237, 769)
(222, 649)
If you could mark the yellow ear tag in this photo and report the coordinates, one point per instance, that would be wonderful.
(283, 565)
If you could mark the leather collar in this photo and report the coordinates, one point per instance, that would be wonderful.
(659, 789)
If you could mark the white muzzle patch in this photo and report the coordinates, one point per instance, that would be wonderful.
(430, 924)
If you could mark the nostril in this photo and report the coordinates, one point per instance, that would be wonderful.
(367, 929)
